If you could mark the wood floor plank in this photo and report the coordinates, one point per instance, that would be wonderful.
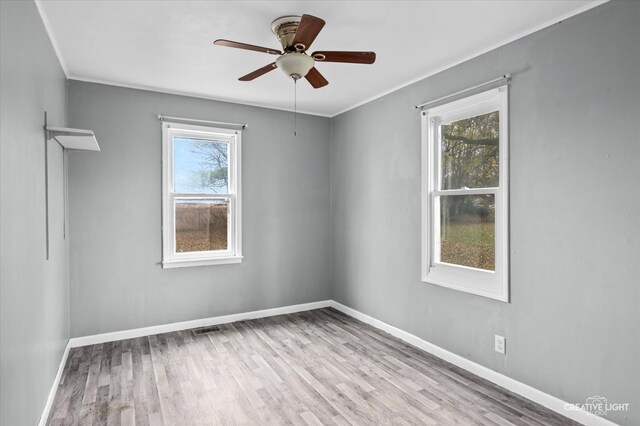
(318, 367)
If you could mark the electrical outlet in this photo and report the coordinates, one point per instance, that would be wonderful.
(500, 344)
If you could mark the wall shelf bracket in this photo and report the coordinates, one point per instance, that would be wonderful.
(69, 139)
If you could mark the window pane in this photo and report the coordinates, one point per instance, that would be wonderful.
(469, 152)
(201, 225)
(467, 230)
(200, 166)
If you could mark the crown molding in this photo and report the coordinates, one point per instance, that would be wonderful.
(52, 38)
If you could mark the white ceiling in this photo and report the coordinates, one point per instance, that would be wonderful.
(167, 45)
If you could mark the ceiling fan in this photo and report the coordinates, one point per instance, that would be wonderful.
(296, 34)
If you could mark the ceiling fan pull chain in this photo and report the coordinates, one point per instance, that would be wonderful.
(295, 107)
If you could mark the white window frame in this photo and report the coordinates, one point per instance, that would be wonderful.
(491, 284)
(171, 258)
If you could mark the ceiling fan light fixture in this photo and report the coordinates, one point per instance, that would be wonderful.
(295, 65)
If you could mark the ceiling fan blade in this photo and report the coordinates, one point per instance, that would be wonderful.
(349, 57)
(246, 46)
(257, 73)
(308, 29)
(316, 79)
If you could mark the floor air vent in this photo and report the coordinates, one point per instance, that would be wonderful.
(205, 330)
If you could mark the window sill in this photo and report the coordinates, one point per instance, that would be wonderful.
(499, 294)
(169, 264)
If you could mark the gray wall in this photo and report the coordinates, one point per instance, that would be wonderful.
(34, 292)
(573, 325)
(115, 206)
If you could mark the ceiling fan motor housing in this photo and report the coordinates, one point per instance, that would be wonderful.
(285, 29)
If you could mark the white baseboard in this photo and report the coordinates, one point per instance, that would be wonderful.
(54, 387)
(535, 395)
(185, 325)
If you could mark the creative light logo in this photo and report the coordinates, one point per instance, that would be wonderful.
(598, 405)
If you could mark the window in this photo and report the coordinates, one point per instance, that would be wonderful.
(465, 217)
(201, 221)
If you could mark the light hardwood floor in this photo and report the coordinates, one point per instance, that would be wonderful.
(316, 367)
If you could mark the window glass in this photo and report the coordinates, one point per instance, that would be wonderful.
(468, 230)
(201, 225)
(469, 152)
(200, 166)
